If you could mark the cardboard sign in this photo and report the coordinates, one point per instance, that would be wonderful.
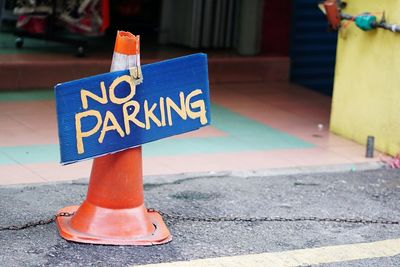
(107, 113)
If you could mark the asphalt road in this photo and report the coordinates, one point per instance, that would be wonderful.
(362, 194)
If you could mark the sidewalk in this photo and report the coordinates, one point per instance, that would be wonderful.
(371, 195)
(260, 121)
(255, 126)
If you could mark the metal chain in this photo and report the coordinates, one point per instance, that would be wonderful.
(179, 217)
(36, 223)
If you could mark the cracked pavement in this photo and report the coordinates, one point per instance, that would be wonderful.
(372, 194)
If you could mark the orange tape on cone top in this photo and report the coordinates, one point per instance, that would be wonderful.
(114, 212)
(127, 43)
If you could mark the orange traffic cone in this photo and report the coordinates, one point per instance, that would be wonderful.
(114, 212)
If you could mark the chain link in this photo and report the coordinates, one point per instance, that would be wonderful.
(36, 223)
(179, 217)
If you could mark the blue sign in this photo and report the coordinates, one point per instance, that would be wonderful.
(107, 113)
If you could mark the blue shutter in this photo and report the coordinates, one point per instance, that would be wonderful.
(313, 47)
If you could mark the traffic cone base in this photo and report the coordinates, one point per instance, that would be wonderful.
(134, 226)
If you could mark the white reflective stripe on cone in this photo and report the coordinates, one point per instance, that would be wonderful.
(123, 62)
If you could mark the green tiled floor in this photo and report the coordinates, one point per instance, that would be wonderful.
(27, 95)
(242, 134)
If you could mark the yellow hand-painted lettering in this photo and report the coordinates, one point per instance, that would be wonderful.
(78, 126)
(131, 117)
(181, 111)
(199, 104)
(115, 83)
(113, 127)
(159, 113)
(148, 114)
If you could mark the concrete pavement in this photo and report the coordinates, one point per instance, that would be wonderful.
(371, 194)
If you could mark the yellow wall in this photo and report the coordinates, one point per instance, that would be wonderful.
(366, 98)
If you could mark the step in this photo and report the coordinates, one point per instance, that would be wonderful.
(30, 71)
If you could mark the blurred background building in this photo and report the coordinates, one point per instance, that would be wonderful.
(294, 30)
(273, 68)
